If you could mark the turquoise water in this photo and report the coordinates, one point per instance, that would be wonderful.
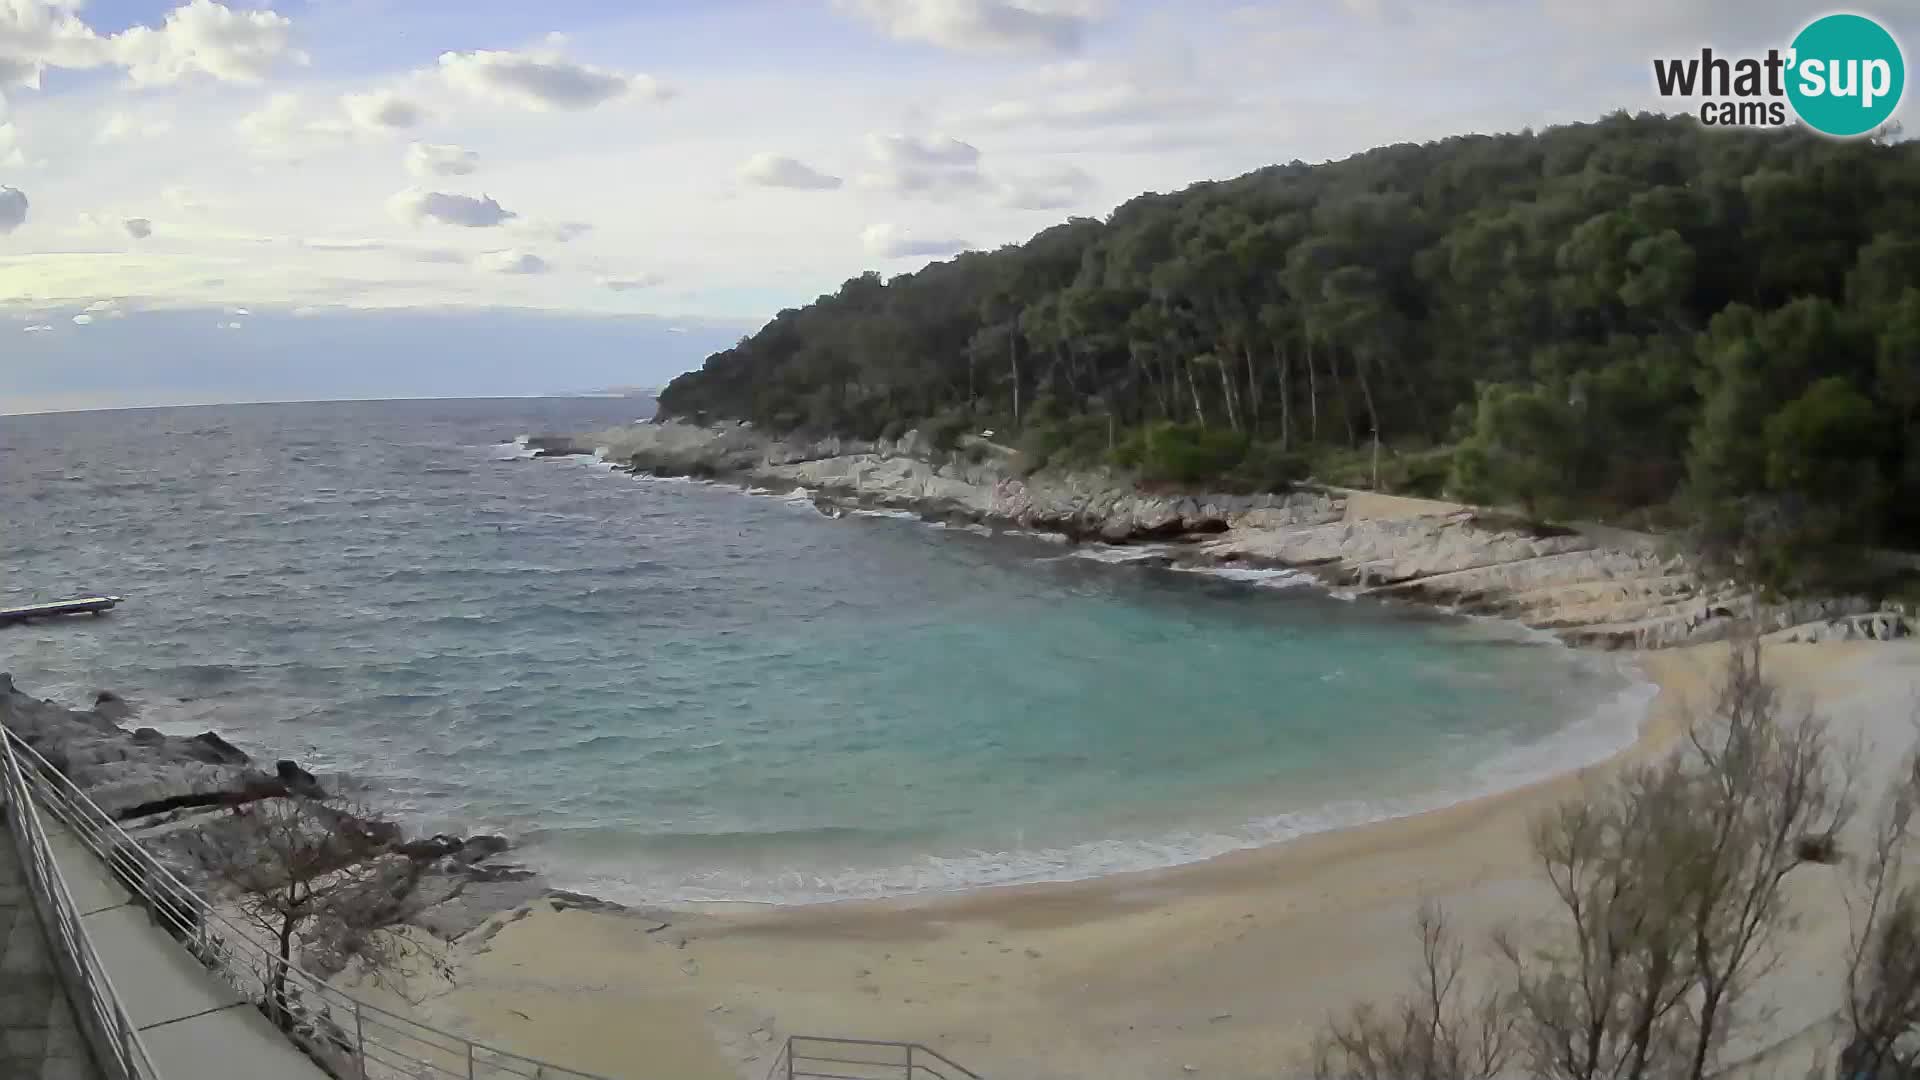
(673, 691)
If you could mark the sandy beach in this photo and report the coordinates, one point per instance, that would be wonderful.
(1222, 968)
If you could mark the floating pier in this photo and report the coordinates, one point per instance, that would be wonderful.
(80, 605)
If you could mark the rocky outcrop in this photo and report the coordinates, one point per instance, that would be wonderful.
(166, 789)
(1592, 587)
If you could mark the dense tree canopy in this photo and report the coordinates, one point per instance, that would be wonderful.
(1638, 317)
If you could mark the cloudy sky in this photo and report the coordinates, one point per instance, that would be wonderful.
(195, 188)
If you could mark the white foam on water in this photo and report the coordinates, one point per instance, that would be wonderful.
(517, 450)
(901, 515)
(1119, 554)
(1265, 578)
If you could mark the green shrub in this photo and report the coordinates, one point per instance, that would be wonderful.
(1185, 454)
(944, 431)
(1071, 443)
(1268, 468)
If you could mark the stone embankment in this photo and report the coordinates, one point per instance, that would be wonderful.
(1592, 587)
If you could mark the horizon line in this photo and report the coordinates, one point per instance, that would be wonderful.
(649, 395)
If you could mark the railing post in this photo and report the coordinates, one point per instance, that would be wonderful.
(469, 1059)
(359, 1041)
(909, 1061)
(789, 1057)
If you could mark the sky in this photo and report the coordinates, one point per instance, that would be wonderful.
(201, 201)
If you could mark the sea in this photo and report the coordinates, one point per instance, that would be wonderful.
(671, 691)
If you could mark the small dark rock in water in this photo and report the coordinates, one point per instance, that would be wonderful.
(492, 874)
(476, 848)
(298, 780)
(561, 900)
(147, 736)
(111, 705)
(214, 750)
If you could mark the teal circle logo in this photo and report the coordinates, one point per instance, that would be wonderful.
(1847, 75)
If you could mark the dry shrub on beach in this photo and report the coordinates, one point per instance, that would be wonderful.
(1669, 890)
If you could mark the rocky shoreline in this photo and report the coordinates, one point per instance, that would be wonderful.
(168, 792)
(1589, 586)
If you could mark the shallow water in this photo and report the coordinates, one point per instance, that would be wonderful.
(672, 690)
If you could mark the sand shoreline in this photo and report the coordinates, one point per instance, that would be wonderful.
(1225, 967)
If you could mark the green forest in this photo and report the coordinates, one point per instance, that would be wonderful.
(1638, 320)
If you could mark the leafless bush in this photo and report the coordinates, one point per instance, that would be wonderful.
(315, 872)
(1669, 890)
(1433, 1034)
(1882, 1014)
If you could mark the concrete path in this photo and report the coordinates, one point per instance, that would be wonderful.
(195, 1026)
(38, 1039)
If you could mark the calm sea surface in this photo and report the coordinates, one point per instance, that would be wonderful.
(671, 690)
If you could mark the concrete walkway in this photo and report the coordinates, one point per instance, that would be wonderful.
(195, 1026)
(38, 1040)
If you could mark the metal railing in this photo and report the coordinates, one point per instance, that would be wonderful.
(110, 1032)
(350, 1038)
(816, 1057)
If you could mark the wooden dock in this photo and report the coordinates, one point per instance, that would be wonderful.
(79, 605)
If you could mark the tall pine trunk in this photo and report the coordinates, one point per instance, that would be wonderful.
(1373, 415)
(1286, 397)
(1199, 413)
(1313, 397)
(1013, 357)
(1253, 388)
(1226, 391)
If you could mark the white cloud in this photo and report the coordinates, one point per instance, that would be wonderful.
(322, 243)
(138, 227)
(415, 205)
(935, 167)
(183, 199)
(893, 242)
(1657, 19)
(109, 309)
(13, 209)
(1051, 189)
(542, 79)
(228, 325)
(82, 319)
(631, 284)
(511, 261)
(11, 154)
(1096, 97)
(205, 38)
(123, 124)
(439, 159)
(37, 328)
(284, 128)
(382, 111)
(559, 232)
(938, 151)
(38, 34)
(983, 25)
(776, 170)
